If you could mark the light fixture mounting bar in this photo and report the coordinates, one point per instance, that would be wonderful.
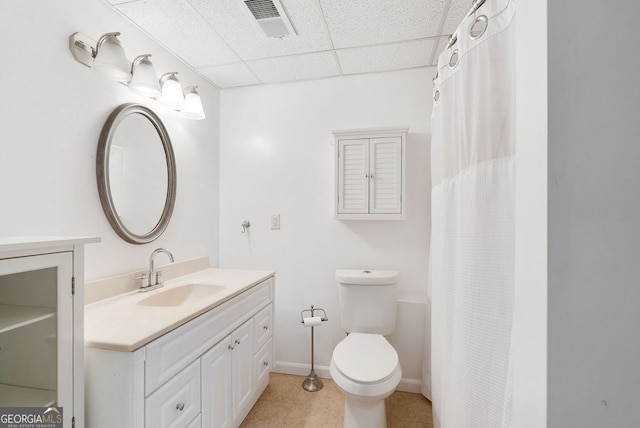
(81, 47)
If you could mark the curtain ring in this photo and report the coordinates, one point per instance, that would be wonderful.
(478, 27)
(453, 60)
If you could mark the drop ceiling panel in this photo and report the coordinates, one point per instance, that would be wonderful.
(295, 67)
(367, 22)
(230, 75)
(219, 39)
(394, 56)
(175, 24)
(234, 25)
(457, 11)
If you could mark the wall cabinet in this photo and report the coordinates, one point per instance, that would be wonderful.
(41, 317)
(370, 174)
(208, 372)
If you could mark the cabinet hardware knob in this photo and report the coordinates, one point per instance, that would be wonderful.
(266, 327)
(180, 406)
(372, 176)
(265, 363)
(231, 347)
(366, 176)
(237, 342)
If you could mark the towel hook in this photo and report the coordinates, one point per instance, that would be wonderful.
(245, 225)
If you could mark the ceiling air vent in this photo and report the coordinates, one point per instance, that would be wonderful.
(270, 17)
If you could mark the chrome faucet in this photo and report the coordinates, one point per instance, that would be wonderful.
(154, 279)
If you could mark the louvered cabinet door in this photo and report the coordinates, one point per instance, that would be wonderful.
(353, 176)
(385, 175)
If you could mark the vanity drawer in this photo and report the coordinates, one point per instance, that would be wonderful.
(172, 352)
(196, 423)
(263, 362)
(263, 326)
(176, 403)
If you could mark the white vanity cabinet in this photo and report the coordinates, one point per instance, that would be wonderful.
(208, 372)
(217, 385)
(229, 379)
(41, 308)
(370, 174)
(234, 369)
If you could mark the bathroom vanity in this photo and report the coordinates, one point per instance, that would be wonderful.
(195, 353)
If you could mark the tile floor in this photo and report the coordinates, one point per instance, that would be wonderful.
(284, 404)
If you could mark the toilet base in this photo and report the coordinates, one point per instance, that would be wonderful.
(364, 413)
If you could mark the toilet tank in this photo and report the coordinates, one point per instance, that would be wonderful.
(368, 300)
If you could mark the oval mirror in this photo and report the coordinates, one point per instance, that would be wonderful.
(136, 172)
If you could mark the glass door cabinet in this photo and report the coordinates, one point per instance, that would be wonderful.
(41, 325)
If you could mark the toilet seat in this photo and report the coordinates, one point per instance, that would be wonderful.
(365, 358)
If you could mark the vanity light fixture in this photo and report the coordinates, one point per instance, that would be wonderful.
(110, 60)
(144, 80)
(107, 58)
(171, 91)
(192, 104)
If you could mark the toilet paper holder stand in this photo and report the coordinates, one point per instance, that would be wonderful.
(312, 383)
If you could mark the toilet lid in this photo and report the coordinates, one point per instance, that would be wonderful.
(365, 358)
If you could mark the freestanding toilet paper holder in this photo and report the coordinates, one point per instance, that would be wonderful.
(312, 383)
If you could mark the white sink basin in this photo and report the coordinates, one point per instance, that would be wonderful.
(181, 295)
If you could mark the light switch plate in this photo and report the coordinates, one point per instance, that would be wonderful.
(275, 221)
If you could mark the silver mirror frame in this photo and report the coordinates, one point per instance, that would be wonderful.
(102, 173)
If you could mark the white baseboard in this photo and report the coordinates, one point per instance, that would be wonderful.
(409, 385)
(284, 367)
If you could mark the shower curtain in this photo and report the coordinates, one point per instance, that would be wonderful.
(473, 210)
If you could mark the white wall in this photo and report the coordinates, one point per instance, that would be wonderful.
(277, 156)
(594, 215)
(52, 111)
(530, 294)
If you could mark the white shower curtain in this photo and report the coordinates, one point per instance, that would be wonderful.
(473, 209)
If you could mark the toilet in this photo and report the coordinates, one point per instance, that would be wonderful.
(364, 365)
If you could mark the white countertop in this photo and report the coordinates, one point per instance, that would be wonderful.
(120, 324)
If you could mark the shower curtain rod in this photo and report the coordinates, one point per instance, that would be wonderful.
(454, 38)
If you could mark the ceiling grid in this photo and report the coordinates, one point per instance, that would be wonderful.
(333, 37)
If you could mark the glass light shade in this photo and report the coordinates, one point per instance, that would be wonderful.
(110, 60)
(192, 104)
(144, 80)
(171, 91)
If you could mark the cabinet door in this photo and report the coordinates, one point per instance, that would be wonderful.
(242, 368)
(36, 332)
(216, 386)
(385, 172)
(353, 176)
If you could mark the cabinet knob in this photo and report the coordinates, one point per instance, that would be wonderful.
(265, 363)
(372, 176)
(180, 406)
(366, 176)
(237, 342)
(231, 348)
(266, 327)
